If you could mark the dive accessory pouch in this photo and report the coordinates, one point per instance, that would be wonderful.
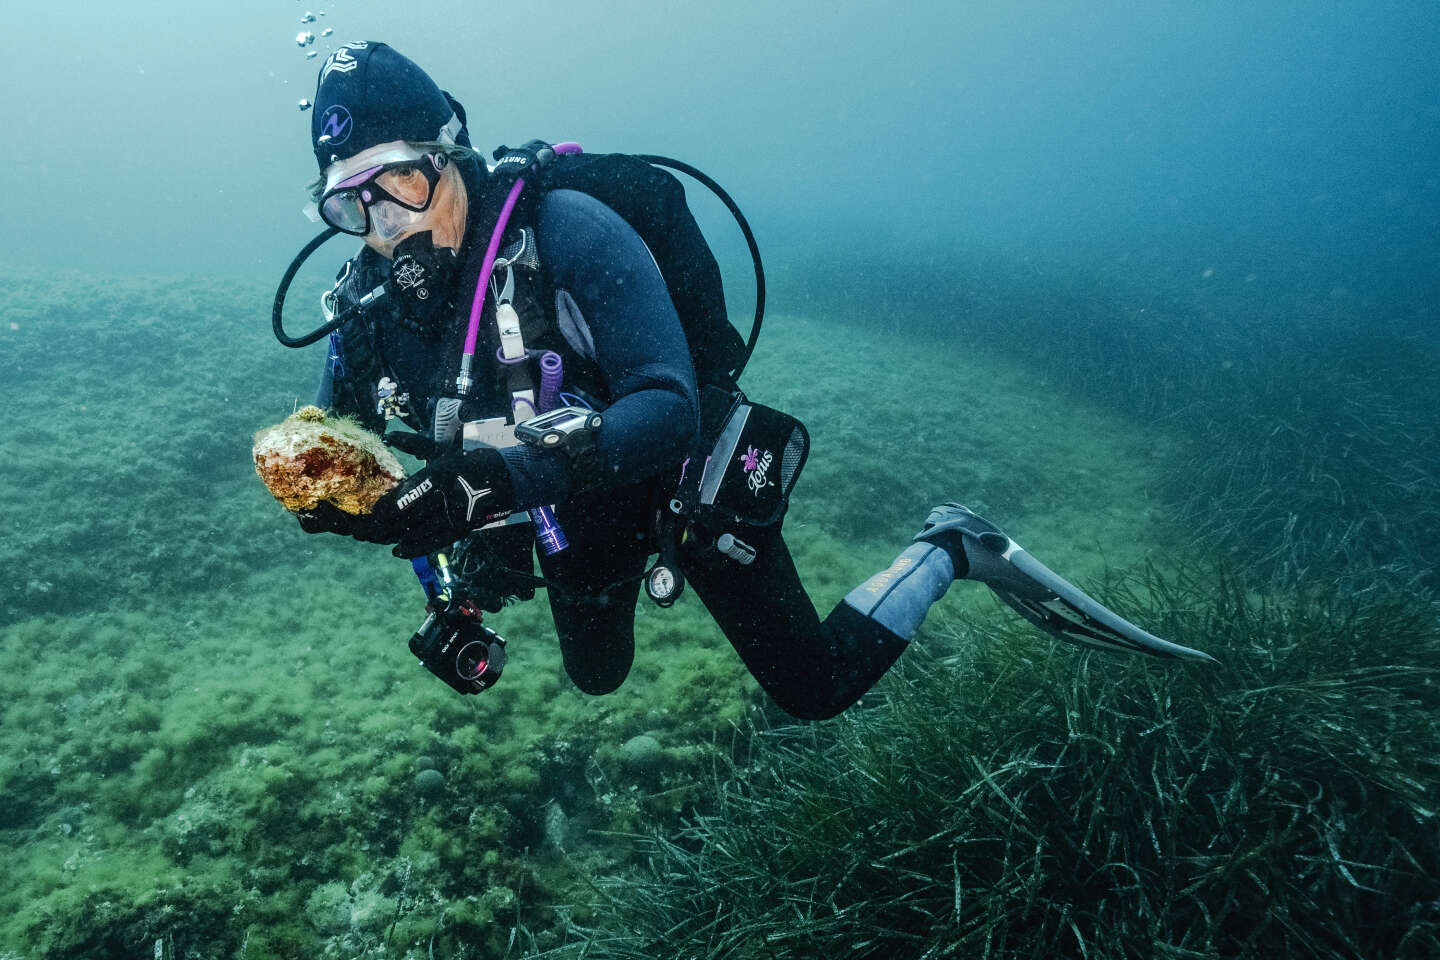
(754, 455)
(750, 458)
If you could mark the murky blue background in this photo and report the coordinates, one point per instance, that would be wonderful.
(1274, 137)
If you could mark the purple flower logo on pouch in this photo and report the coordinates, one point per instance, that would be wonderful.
(757, 465)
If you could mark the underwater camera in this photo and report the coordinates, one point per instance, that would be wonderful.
(454, 644)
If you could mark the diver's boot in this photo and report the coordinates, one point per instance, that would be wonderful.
(979, 550)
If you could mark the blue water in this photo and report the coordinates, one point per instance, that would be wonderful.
(1270, 137)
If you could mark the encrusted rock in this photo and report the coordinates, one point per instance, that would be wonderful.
(642, 754)
(429, 782)
(557, 825)
(310, 457)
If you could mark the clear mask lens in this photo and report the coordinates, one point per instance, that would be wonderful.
(389, 220)
(344, 209)
(406, 184)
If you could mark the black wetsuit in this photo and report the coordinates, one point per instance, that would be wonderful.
(610, 305)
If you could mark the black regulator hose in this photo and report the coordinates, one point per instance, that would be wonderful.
(730, 205)
(278, 310)
(685, 168)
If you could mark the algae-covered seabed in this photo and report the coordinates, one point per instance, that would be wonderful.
(210, 716)
(213, 730)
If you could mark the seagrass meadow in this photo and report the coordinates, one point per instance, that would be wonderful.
(216, 744)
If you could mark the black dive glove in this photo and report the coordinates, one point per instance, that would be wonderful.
(325, 517)
(453, 495)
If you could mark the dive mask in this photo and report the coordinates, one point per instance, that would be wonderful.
(384, 199)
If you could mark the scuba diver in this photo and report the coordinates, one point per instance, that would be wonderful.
(568, 374)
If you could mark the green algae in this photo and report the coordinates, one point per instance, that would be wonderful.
(211, 717)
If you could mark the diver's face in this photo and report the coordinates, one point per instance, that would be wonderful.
(444, 217)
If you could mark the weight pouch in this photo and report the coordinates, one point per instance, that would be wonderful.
(757, 456)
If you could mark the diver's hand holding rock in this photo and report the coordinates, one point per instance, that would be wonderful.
(458, 492)
(325, 517)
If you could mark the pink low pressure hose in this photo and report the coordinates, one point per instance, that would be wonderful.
(487, 267)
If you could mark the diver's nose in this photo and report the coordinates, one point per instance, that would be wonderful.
(388, 219)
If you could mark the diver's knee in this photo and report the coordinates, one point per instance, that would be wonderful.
(598, 675)
(815, 698)
(597, 685)
(811, 709)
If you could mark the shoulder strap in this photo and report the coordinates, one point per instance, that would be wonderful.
(353, 359)
(653, 202)
(513, 353)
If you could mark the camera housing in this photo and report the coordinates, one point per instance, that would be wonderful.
(454, 644)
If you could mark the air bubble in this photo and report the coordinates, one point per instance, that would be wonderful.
(304, 39)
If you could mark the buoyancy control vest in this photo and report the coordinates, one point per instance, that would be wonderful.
(651, 200)
(359, 363)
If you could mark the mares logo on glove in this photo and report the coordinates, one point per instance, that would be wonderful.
(473, 496)
(410, 496)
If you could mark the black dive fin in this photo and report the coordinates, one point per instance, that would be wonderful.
(1074, 616)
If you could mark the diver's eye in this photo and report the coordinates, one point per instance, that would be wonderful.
(405, 183)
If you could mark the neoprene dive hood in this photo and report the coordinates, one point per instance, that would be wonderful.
(367, 94)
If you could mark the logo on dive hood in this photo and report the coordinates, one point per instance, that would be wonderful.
(341, 61)
(335, 125)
